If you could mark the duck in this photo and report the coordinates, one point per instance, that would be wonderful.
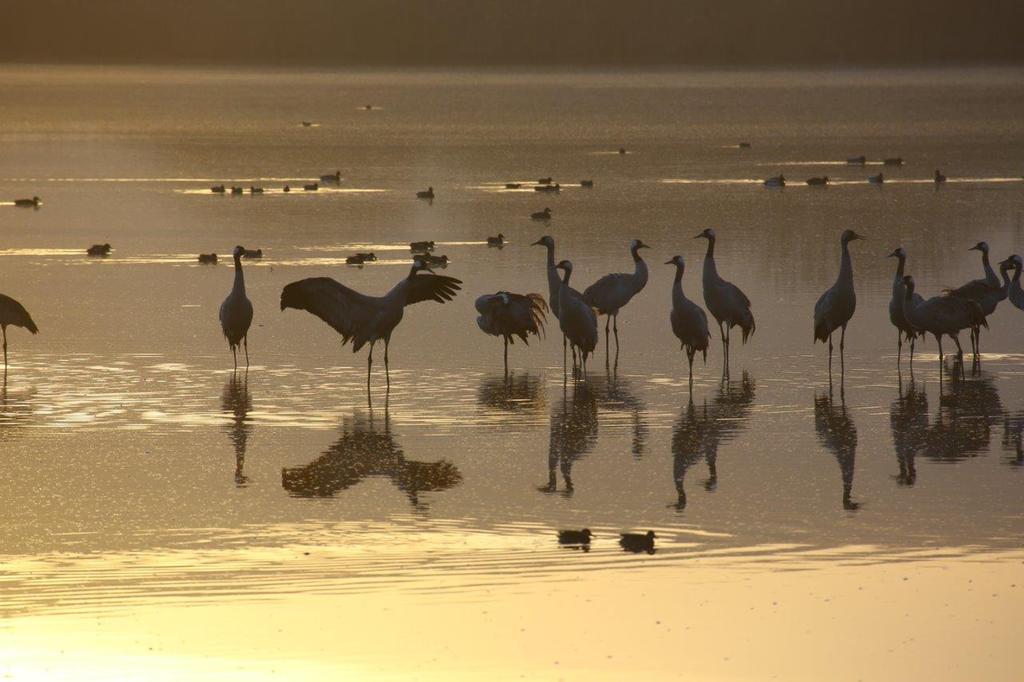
(33, 202)
(255, 190)
(893, 161)
(513, 185)
(638, 542)
(744, 145)
(622, 150)
(237, 190)
(817, 182)
(249, 253)
(544, 181)
(429, 259)
(541, 215)
(328, 179)
(208, 258)
(307, 124)
(312, 187)
(496, 241)
(357, 259)
(589, 184)
(548, 188)
(575, 537)
(421, 246)
(286, 189)
(428, 194)
(98, 250)
(939, 177)
(776, 181)
(877, 179)
(371, 256)
(856, 160)
(218, 189)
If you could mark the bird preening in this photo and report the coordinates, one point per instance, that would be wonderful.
(13, 314)
(510, 315)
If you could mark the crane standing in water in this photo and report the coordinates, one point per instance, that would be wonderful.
(835, 307)
(896, 316)
(689, 322)
(576, 318)
(14, 314)
(611, 293)
(724, 300)
(509, 315)
(942, 316)
(364, 319)
(236, 312)
(554, 287)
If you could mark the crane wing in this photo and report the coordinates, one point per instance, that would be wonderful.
(347, 311)
(438, 288)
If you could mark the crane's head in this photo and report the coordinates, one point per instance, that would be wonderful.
(239, 250)
(707, 234)
(545, 241)
(638, 244)
(676, 261)
(1013, 261)
(419, 264)
(651, 535)
(980, 246)
(850, 235)
(503, 295)
(565, 265)
(898, 253)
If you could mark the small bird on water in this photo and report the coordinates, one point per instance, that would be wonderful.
(638, 542)
(574, 537)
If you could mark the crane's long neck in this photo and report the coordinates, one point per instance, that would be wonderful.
(898, 279)
(1006, 277)
(239, 286)
(554, 283)
(677, 287)
(711, 248)
(710, 271)
(639, 269)
(846, 266)
(1016, 275)
(990, 274)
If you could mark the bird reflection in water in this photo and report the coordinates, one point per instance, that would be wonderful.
(236, 402)
(962, 427)
(838, 433)
(617, 395)
(700, 431)
(511, 393)
(15, 409)
(1013, 429)
(361, 452)
(573, 434)
(908, 418)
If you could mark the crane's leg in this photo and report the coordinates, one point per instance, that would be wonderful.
(245, 344)
(369, 364)
(959, 354)
(234, 352)
(689, 356)
(387, 367)
(615, 328)
(899, 346)
(728, 331)
(842, 351)
(938, 337)
(506, 356)
(565, 344)
(4, 327)
(607, 341)
(830, 355)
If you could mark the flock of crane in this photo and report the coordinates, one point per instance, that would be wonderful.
(361, 319)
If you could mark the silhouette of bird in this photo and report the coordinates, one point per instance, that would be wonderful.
(364, 319)
(13, 313)
(421, 246)
(689, 322)
(576, 318)
(574, 537)
(638, 542)
(987, 291)
(876, 179)
(941, 315)
(818, 182)
(836, 306)
(334, 178)
(611, 293)
(544, 215)
(426, 194)
(509, 315)
(573, 433)
(98, 250)
(775, 181)
(236, 312)
(939, 177)
(903, 328)
(496, 241)
(208, 258)
(27, 203)
(554, 287)
(1014, 292)
(724, 300)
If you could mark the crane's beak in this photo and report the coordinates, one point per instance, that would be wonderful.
(537, 243)
(892, 255)
(974, 248)
(858, 236)
(641, 245)
(670, 262)
(699, 235)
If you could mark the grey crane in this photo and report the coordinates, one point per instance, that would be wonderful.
(611, 293)
(236, 312)
(554, 286)
(364, 319)
(689, 322)
(940, 316)
(727, 304)
(1014, 292)
(835, 307)
(14, 314)
(576, 318)
(987, 291)
(903, 328)
(509, 315)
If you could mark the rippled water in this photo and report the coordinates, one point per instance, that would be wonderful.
(139, 470)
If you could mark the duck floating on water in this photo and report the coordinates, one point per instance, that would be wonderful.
(638, 542)
(513, 185)
(496, 241)
(286, 189)
(249, 253)
(208, 258)
(544, 215)
(355, 260)
(548, 188)
(877, 179)
(622, 150)
(237, 190)
(893, 161)
(776, 181)
(588, 184)
(421, 246)
(856, 160)
(98, 250)
(939, 177)
(313, 187)
(430, 259)
(427, 194)
(31, 203)
(371, 256)
(255, 190)
(575, 537)
(218, 189)
(544, 181)
(817, 182)
(307, 124)
(331, 179)
(744, 145)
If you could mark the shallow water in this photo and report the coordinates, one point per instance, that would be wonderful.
(143, 478)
